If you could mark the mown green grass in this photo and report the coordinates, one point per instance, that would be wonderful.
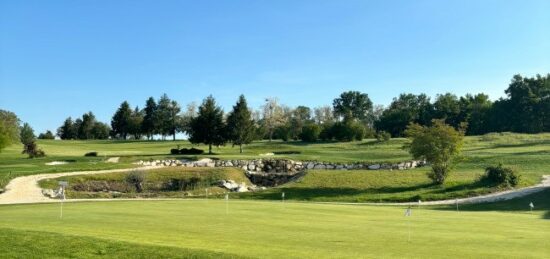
(274, 230)
(377, 186)
(155, 184)
(36, 244)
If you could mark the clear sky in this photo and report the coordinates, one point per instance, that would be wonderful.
(64, 58)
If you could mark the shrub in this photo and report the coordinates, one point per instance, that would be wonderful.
(326, 132)
(286, 152)
(310, 132)
(136, 178)
(191, 151)
(91, 154)
(47, 135)
(32, 150)
(501, 176)
(174, 151)
(383, 136)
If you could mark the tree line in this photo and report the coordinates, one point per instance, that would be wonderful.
(352, 116)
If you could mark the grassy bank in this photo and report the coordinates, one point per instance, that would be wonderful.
(528, 153)
(170, 182)
(275, 230)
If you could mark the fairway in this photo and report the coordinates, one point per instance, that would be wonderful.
(273, 230)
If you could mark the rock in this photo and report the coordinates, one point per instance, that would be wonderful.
(310, 165)
(374, 167)
(251, 167)
(319, 166)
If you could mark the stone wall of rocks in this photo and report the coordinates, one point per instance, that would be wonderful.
(273, 172)
(284, 165)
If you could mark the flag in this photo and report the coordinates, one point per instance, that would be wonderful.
(408, 212)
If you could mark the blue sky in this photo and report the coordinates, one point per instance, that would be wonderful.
(64, 58)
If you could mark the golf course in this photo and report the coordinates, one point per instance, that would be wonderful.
(274, 129)
(310, 222)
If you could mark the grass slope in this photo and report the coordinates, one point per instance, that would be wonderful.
(163, 182)
(279, 230)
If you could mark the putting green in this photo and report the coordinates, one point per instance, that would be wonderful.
(277, 230)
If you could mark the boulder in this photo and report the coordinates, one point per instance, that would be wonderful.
(374, 167)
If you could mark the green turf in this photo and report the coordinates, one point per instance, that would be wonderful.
(277, 230)
(529, 154)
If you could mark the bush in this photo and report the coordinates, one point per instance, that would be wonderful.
(136, 178)
(310, 133)
(91, 154)
(286, 152)
(174, 151)
(191, 151)
(501, 176)
(47, 135)
(383, 136)
(32, 150)
(326, 132)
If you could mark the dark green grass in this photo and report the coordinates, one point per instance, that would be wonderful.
(39, 244)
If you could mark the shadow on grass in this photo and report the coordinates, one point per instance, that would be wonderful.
(541, 201)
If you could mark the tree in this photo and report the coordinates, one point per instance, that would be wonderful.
(120, 123)
(85, 126)
(175, 123)
(323, 114)
(447, 107)
(439, 144)
(67, 130)
(149, 125)
(47, 135)
(27, 134)
(298, 118)
(475, 111)
(135, 122)
(240, 126)
(100, 130)
(310, 132)
(272, 116)
(9, 129)
(353, 105)
(208, 126)
(403, 110)
(28, 139)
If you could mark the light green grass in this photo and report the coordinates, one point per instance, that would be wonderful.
(528, 153)
(277, 230)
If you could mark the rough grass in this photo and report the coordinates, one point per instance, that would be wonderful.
(157, 183)
(269, 230)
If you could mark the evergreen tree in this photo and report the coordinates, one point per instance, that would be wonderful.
(121, 120)
(86, 125)
(27, 134)
(208, 126)
(164, 116)
(149, 125)
(135, 123)
(240, 126)
(67, 130)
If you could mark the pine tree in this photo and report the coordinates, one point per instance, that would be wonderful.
(149, 124)
(240, 126)
(121, 120)
(208, 126)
